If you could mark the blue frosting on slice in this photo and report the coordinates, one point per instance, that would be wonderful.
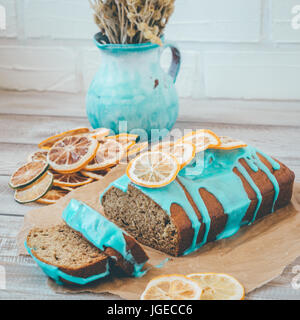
(98, 230)
(56, 274)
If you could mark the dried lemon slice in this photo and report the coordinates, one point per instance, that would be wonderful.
(202, 139)
(72, 180)
(100, 133)
(49, 142)
(124, 137)
(72, 153)
(40, 155)
(27, 174)
(52, 196)
(137, 148)
(36, 190)
(109, 153)
(127, 140)
(183, 152)
(228, 143)
(153, 169)
(172, 287)
(218, 286)
(96, 175)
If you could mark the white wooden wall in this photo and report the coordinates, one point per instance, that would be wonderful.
(232, 49)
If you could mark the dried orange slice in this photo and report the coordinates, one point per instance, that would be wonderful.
(27, 174)
(95, 175)
(36, 190)
(109, 153)
(218, 286)
(127, 140)
(40, 155)
(172, 287)
(228, 143)
(183, 152)
(72, 153)
(124, 137)
(153, 169)
(72, 180)
(52, 196)
(100, 133)
(49, 142)
(202, 139)
(137, 148)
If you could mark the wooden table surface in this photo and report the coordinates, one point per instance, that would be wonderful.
(27, 118)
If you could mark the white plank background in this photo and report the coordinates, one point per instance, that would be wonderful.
(27, 118)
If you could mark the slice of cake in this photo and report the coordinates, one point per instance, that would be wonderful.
(125, 252)
(230, 189)
(65, 256)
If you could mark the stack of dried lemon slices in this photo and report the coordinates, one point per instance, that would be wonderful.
(160, 166)
(69, 160)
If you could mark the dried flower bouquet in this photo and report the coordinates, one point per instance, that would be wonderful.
(132, 21)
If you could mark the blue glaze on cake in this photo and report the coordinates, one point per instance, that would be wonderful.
(56, 274)
(101, 232)
(246, 175)
(213, 171)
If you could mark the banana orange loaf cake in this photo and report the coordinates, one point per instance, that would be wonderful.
(233, 188)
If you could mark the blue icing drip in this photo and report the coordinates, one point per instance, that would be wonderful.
(255, 161)
(101, 232)
(275, 165)
(213, 171)
(193, 190)
(235, 207)
(246, 175)
(55, 273)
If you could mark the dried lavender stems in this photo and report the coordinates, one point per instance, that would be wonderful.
(132, 21)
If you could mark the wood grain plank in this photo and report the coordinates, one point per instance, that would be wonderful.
(13, 156)
(272, 139)
(8, 205)
(217, 111)
(33, 129)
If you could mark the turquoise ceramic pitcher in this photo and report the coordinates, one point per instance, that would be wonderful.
(131, 91)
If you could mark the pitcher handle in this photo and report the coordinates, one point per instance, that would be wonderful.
(176, 60)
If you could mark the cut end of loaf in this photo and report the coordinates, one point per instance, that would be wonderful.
(63, 247)
(142, 218)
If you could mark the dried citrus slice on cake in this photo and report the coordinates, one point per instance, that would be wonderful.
(228, 143)
(49, 142)
(153, 169)
(202, 139)
(36, 190)
(52, 196)
(218, 286)
(27, 174)
(184, 152)
(72, 153)
(100, 133)
(40, 155)
(109, 153)
(72, 180)
(172, 287)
